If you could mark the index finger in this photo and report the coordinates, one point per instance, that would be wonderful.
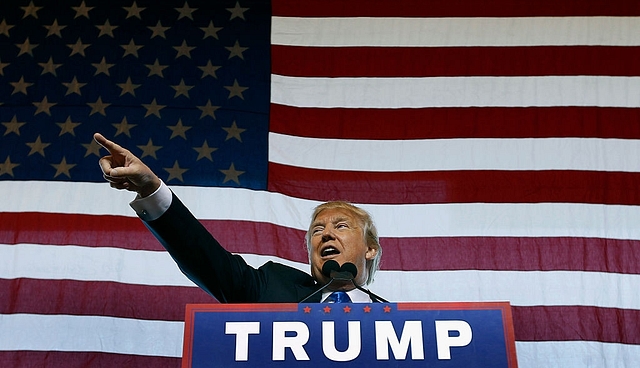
(110, 146)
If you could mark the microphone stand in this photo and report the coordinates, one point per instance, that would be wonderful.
(339, 277)
(326, 286)
(374, 298)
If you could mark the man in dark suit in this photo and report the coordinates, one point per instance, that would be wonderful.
(338, 231)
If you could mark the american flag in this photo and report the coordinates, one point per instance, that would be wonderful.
(495, 143)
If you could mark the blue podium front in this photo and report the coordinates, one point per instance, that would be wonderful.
(355, 334)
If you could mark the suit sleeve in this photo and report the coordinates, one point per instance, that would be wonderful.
(203, 260)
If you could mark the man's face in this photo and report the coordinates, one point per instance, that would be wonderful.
(337, 234)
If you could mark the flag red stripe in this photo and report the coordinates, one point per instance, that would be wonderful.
(168, 304)
(164, 303)
(561, 323)
(76, 229)
(513, 253)
(409, 254)
(456, 186)
(130, 233)
(455, 8)
(453, 61)
(61, 359)
(473, 122)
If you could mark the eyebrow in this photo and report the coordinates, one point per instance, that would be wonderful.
(333, 221)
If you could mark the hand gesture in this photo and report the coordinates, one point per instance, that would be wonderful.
(124, 170)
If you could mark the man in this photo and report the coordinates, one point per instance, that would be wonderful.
(339, 231)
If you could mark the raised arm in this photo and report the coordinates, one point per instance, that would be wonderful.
(198, 254)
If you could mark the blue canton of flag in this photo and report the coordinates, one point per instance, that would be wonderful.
(183, 85)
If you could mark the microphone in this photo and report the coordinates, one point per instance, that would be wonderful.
(347, 272)
(349, 269)
(330, 266)
(333, 270)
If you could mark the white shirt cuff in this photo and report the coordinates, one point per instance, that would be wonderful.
(153, 206)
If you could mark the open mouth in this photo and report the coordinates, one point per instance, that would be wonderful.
(329, 251)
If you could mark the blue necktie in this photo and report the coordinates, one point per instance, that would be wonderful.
(338, 297)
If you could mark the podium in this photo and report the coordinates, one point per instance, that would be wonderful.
(353, 334)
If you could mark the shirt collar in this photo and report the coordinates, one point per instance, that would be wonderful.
(356, 295)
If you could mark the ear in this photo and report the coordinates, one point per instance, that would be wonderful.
(371, 253)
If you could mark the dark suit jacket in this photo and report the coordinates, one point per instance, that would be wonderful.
(224, 275)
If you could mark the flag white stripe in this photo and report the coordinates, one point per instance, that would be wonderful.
(576, 354)
(455, 32)
(90, 333)
(398, 221)
(590, 154)
(376, 93)
(81, 263)
(65, 197)
(520, 288)
(139, 337)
